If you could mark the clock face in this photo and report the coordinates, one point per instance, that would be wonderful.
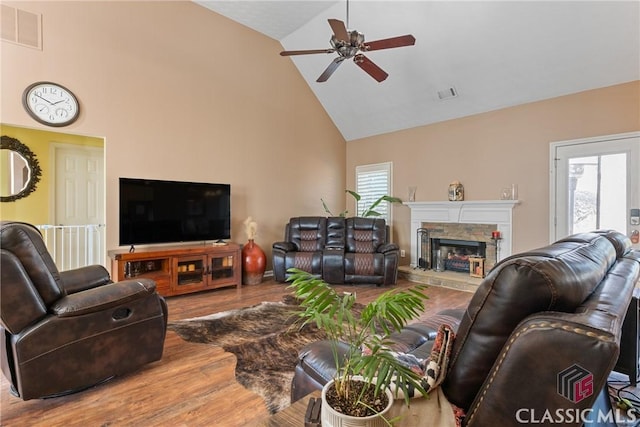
(51, 104)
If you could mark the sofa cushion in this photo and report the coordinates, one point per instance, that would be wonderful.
(559, 277)
(308, 234)
(311, 262)
(365, 235)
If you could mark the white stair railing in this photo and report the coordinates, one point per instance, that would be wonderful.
(74, 246)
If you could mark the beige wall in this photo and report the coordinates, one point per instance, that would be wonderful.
(182, 93)
(489, 151)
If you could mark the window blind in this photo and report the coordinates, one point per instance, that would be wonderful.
(372, 182)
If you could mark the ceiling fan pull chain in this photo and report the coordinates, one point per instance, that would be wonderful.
(348, 15)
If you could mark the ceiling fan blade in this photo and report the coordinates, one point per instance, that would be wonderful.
(407, 40)
(370, 68)
(339, 29)
(330, 69)
(305, 52)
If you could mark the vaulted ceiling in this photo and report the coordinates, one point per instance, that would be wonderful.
(494, 54)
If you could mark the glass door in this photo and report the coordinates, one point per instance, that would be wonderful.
(595, 185)
(190, 272)
(222, 268)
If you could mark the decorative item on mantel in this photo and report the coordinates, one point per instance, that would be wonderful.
(412, 193)
(254, 260)
(456, 192)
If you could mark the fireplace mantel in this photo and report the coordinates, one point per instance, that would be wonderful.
(498, 212)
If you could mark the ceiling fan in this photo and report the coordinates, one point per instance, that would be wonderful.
(348, 44)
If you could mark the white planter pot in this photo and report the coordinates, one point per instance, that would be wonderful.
(333, 418)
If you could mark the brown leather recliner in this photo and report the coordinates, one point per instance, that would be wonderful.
(65, 331)
(368, 255)
(305, 240)
(340, 250)
(535, 344)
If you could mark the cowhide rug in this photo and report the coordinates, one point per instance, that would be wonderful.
(265, 338)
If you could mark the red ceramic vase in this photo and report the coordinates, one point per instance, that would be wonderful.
(254, 263)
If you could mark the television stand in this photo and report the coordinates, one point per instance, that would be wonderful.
(180, 270)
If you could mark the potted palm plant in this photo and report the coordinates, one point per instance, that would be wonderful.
(360, 388)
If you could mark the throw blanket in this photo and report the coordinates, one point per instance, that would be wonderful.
(436, 409)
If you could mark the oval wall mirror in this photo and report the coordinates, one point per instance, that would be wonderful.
(20, 170)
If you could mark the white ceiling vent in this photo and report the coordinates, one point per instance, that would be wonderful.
(21, 27)
(448, 93)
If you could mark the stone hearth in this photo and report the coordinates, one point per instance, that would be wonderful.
(446, 279)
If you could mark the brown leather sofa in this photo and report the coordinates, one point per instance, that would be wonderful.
(538, 339)
(340, 250)
(66, 331)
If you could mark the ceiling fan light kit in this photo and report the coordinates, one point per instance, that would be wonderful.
(349, 44)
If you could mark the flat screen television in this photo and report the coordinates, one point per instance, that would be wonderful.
(154, 211)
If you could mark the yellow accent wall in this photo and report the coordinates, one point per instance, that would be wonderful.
(36, 207)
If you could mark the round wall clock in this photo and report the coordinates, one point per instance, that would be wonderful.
(51, 104)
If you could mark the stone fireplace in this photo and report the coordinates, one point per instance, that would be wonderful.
(449, 246)
(469, 221)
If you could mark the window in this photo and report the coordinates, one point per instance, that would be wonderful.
(597, 193)
(372, 182)
(595, 184)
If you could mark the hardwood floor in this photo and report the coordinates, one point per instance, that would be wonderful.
(193, 384)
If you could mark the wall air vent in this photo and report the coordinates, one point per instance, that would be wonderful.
(21, 27)
(448, 93)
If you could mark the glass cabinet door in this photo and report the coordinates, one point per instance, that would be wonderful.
(190, 271)
(221, 268)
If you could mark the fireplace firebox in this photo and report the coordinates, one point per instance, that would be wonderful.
(454, 255)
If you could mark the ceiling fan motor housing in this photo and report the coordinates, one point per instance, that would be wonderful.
(348, 49)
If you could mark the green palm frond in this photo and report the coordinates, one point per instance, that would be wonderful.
(368, 211)
(368, 328)
(354, 194)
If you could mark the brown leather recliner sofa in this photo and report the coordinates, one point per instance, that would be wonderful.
(340, 250)
(538, 338)
(66, 331)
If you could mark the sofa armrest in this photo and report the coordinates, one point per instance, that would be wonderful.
(103, 297)
(573, 357)
(284, 246)
(83, 278)
(387, 248)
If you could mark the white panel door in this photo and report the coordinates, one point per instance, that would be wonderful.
(79, 185)
(595, 185)
(79, 200)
